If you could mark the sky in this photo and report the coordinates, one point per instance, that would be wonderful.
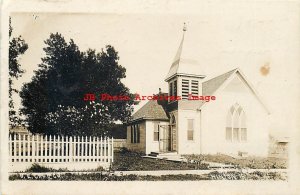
(221, 39)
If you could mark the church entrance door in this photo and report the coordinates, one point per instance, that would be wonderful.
(164, 138)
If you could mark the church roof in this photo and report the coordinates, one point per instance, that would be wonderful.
(184, 63)
(210, 86)
(151, 110)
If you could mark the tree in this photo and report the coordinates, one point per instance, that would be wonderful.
(17, 47)
(53, 100)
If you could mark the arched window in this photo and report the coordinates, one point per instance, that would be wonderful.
(236, 129)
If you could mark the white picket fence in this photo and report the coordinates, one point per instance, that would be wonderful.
(60, 150)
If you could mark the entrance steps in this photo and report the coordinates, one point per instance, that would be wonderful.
(170, 156)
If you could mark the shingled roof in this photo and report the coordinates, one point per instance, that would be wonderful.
(151, 110)
(210, 86)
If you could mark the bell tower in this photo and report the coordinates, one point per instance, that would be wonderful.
(185, 74)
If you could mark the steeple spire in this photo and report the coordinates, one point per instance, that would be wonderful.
(184, 63)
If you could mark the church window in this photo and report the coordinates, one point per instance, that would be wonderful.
(236, 129)
(190, 130)
(135, 133)
(156, 132)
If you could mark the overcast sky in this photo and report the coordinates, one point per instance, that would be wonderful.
(221, 38)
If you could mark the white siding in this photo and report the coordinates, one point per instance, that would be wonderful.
(214, 123)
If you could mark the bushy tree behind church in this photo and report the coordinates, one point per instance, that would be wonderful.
(53, 100)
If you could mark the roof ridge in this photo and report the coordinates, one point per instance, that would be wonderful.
(233, 70)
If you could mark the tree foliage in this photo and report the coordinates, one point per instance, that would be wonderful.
(17, 47)
(53, 100)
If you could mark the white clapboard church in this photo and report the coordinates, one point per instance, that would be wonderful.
(236, 123)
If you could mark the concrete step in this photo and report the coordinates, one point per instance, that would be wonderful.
(154, 154)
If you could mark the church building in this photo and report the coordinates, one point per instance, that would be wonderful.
(235, 123)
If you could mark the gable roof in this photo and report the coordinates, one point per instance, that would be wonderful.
(151, 110)
(212, 86)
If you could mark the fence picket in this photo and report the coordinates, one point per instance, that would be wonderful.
(15, 147)
(75, 149)
(94, 152)
(10, 148)
(67, 149)
(108, 150)
(33, 149)
(101, 149)
(63, 148)
(70, 150)
(50, 148)
(42, 148)
(46, 149)
(112, 149)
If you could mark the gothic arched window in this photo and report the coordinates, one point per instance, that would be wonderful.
(236, 129)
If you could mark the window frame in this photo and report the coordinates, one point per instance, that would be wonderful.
(135, 133)
(190, 129)
(236, 121)
(156, 131)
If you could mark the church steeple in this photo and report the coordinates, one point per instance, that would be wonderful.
(185, 74)
(183, 63)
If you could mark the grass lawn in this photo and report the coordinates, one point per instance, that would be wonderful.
(133, 161)
(247, 162)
